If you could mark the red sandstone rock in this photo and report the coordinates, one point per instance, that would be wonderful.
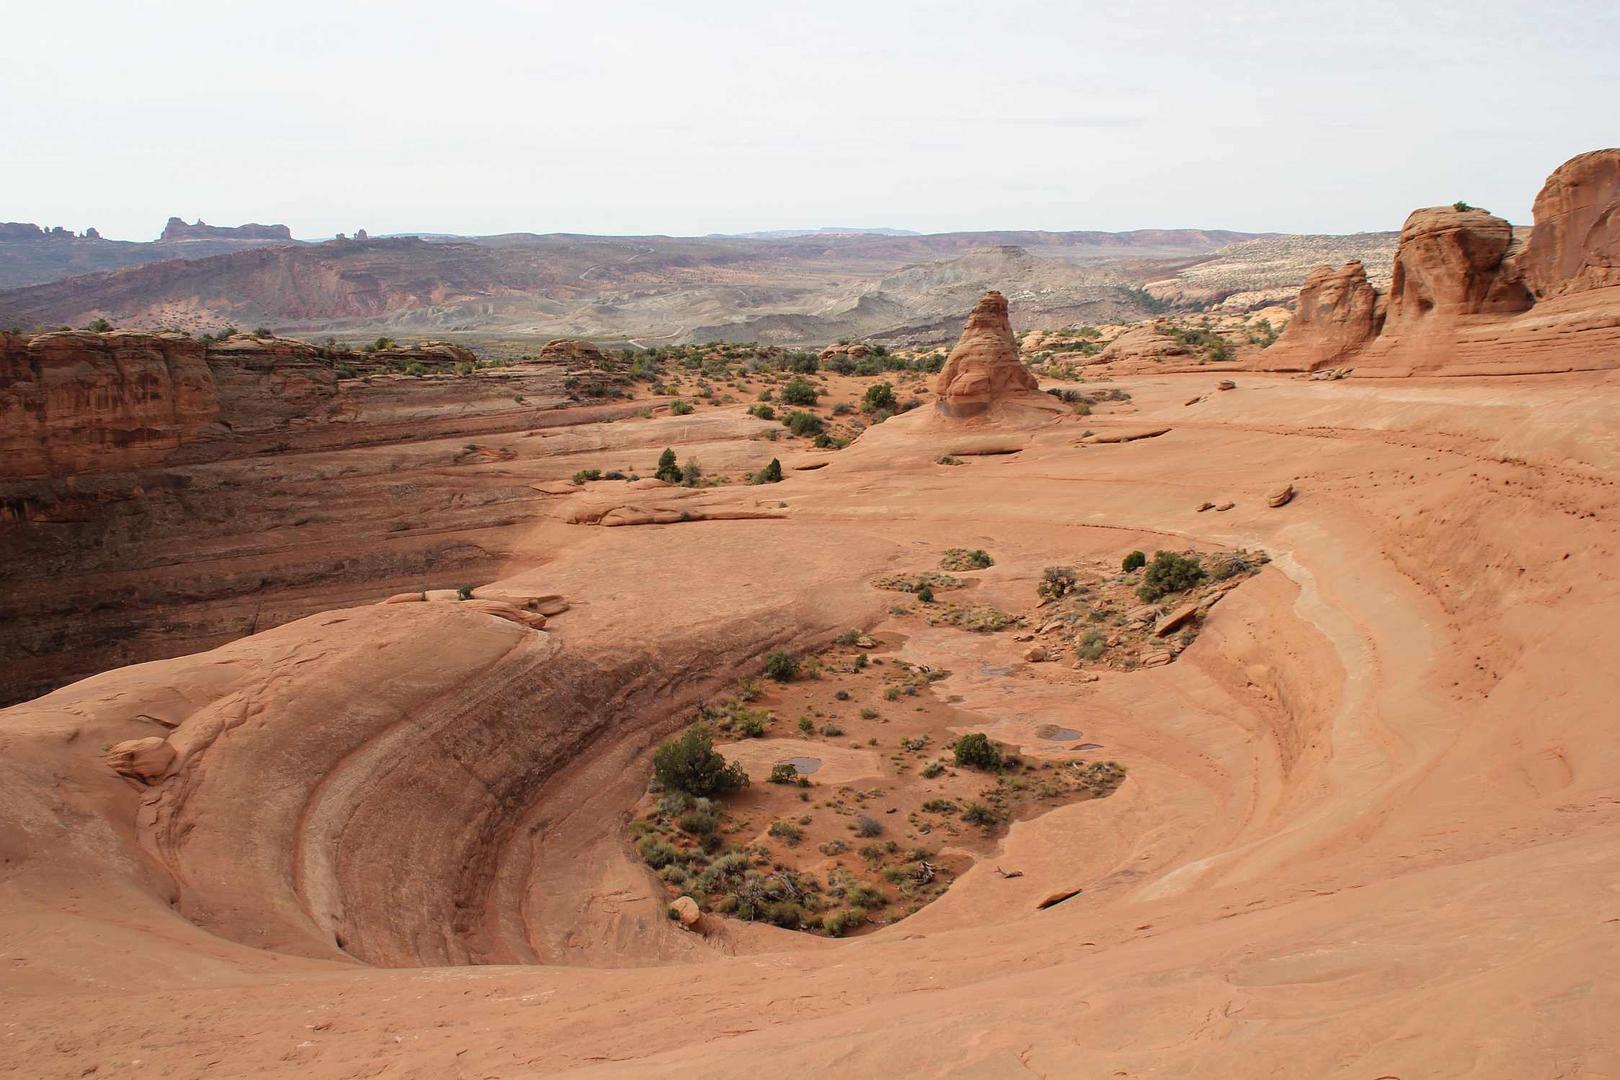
(1576, 242)
(142, 759)
(573, 351)
(1338, 313)
(1452, 263)
(984, 365)
(1144, 344)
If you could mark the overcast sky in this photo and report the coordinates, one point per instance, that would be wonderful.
(611, 116)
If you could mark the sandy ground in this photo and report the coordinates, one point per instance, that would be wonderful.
(1370, 829)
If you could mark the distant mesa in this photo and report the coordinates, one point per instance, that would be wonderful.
(27, 230)
(177, 229)
(984, 367)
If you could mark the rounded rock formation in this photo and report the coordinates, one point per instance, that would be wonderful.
(1576, 242)
(984, 366)
(1451, 263)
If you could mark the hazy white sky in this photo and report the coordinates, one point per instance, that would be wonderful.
(616, 116)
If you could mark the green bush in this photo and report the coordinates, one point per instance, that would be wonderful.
(839, 923)
(786, 773)
(700, 819)
(781, 665)
(878, 397)
(770, 474)
(464, 592)
(798, 392)
(1092, 646)
(1134, 561)
(977, 813)
(1169, 573)
(764, 412)
(587, 474)
(668, 470)
(690, 764)
(976, 751)
(691, 473)
(867, 825)
(803, 423)
(680, 408)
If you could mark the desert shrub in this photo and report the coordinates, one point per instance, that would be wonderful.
(803, 423)
(798, 392)
(415, 370)
(925, 595)
(949, 460)
(344, 371)
(1460, 205)
(1134, 561)
(764, 412)
(751, 723)
(868, 826)
(1169, 573)
(878, 397)
(657, 853)
(786, 831)
(770, 474)
(668, 470)
(690, 764)
(976, 751)
(843, 408)
(785, 773)
(464, 592)
(976, 813)
(587, 474)
(932, 769)
(1092, 646)
(965, 559)
(939, 806)
(807, 726)
(781, 665)
(691, 473)
(680, 408)
(1056, 582)
(839, 923)
(831, 730)
(700, 819)
(98, 326)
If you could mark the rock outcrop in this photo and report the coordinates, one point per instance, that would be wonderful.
(76, 401)
(177, 229)
(1576, 242)
(426, 352)
(575, 351)
(984, 366)
(1339, 311)
(1453, 263)
(1144, 344)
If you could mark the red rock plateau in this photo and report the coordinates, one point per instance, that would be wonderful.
(1369, 827)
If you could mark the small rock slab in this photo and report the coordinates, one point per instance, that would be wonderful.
(1281, 497)
(1175, 619)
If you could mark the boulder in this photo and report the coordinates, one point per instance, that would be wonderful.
(145, 759)
(685, 910)
(984, 366)
(1576, 242)
(1037, 654)
(1226, 384)
(1281, 496)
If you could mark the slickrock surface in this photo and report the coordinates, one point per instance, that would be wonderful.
(1369, 826)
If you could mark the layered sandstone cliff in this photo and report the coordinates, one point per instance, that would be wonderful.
(1576, 243)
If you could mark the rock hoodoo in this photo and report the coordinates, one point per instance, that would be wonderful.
(1339, 312)
(984, 366)
(1576, 242)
